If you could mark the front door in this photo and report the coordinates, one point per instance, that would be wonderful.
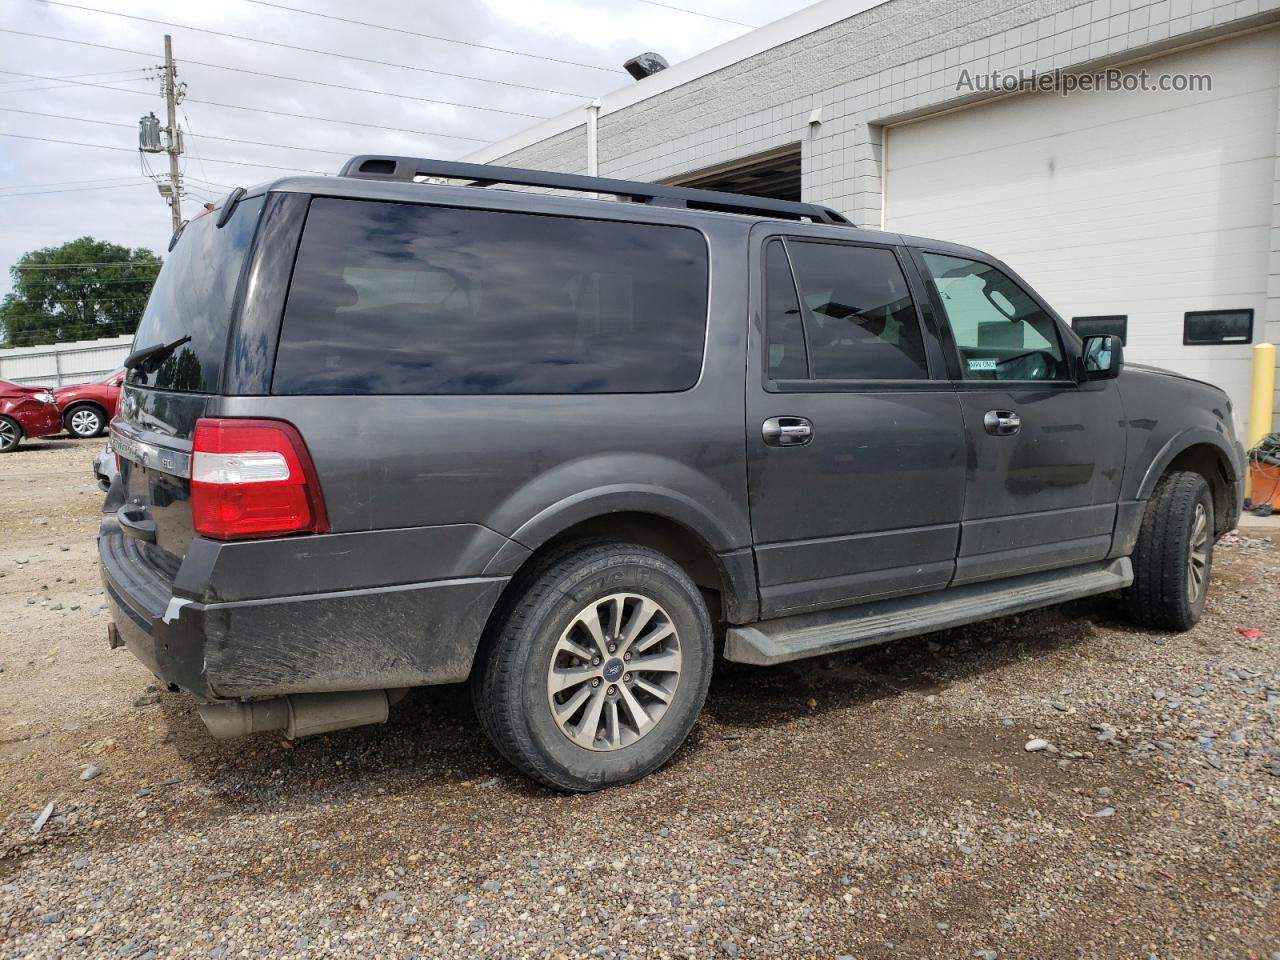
(1046, 451)
(855, 439)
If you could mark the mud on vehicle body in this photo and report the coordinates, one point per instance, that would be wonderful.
(381, 433)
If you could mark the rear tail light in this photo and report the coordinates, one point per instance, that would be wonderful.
(253, 478)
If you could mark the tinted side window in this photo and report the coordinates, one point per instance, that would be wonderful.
(784, 330)
(1002, 333)
(400, 298)
(194, 297)
(859, 319)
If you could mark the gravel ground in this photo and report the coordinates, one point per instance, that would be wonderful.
(879, 804)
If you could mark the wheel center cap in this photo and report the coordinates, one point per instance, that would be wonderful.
(613, 670)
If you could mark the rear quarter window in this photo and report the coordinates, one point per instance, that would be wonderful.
(194, 296)
(393, 298)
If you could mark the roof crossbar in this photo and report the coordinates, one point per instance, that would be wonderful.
(409, 169)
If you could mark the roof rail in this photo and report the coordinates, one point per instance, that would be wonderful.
(408, 169)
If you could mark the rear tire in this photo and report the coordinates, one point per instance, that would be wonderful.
(597, 668)
(1173, 558)
(10, 435)
(85, 422)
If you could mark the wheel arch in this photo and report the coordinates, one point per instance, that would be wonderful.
(76, 404)
(682, 535)
(1206, 453)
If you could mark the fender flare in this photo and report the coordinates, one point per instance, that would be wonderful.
(736, 561)
(629, 498)
(1179, 442)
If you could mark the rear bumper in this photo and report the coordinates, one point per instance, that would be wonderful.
(372, 638)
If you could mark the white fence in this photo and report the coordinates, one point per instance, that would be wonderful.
(62, 364)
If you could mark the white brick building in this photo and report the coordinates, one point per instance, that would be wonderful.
(1147, 206)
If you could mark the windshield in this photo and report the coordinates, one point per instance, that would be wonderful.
(194, 296)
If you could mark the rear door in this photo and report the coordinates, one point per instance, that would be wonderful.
(855, 440)
(1046, 451)
(192, 307)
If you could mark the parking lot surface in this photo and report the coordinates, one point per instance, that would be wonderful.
(877, 804)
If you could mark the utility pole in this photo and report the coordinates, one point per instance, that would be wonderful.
(174, 146)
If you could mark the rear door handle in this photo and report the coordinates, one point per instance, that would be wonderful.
(1002, 423)
(786, 431)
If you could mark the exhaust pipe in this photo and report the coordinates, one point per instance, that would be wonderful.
(298, 714)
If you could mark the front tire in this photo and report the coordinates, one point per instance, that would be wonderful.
(1174, 554)
(85, 422)
(10, 435)
(597, 669)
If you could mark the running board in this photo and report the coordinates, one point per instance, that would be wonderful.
(830, 631)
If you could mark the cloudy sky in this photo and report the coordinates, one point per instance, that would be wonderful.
(83, 92)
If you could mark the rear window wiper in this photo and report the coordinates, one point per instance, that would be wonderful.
(150, 357)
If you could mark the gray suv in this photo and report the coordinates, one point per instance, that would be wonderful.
(383, 431)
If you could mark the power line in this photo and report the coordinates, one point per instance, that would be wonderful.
(37, 193)
(203, 136)
(211, 183)
(60, 86)
(60, 183)
(346, 123)
(668, 6)
(103, 146)
(77, 76)
(279, 76)
(432, 36)
(301, 49)
(273, 113)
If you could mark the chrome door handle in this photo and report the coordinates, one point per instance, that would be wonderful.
(1001, 423)
(786, 431)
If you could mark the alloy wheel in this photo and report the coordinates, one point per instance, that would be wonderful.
(1198, 559)
(614, 671)
(85, 423)
(8, 435)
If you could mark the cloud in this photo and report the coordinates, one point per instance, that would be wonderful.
(128, 209)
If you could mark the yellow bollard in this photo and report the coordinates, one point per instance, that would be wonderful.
(1262, 396)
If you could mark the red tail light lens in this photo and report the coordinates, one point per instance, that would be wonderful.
(253, 478)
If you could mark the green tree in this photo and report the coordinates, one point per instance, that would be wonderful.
(81, 290)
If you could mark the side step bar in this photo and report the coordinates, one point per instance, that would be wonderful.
(830, 631)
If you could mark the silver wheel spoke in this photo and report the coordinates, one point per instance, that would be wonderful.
(566, 710)
(1198, 554)
(612, 731)
(660, 632)
(640, 718)
(607, 700)
(584, 734)
(668, 662)
(574, 649)
(652, 689)
(562, 678)
(615, 617)
(640, 618)
(590, 619)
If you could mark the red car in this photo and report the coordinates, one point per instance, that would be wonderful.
(26, 412)
(88, 407)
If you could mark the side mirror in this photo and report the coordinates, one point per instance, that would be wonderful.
(1103, 357)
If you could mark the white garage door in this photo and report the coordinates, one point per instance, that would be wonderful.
(1146, 205)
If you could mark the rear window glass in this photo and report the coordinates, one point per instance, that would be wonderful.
(194, 296)
(393, 298)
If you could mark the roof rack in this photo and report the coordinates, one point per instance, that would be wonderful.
(409, 169)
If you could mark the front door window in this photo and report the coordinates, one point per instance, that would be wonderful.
(1000, 331)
